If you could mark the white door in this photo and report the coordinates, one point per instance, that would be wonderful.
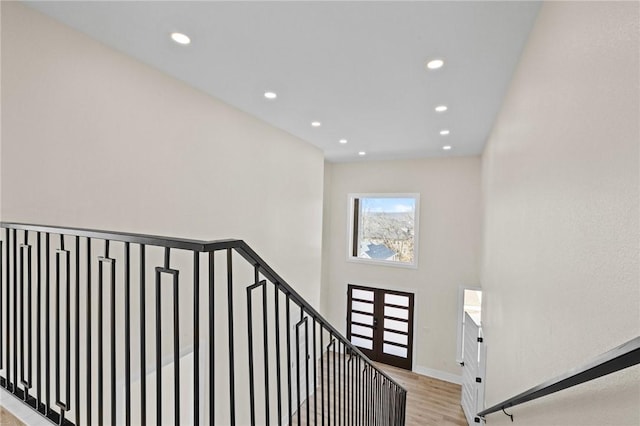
(472, 398)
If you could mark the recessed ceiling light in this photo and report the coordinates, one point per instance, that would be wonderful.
(270, 95)
(441, 108)
(316, 123)
(444, 132)
(362, 153)
(434, 64)
(180, 38)
(446, 147)
(343, 141)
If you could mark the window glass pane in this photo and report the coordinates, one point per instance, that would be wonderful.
(396, 312)
(394, 350)
(394, 299)
(385, 228)
(362, 343)
(396, 338)
(362, 318)
(362, 294)
(365, 331)
(362, 306)
(396, 325)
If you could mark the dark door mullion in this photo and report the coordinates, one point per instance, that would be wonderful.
(377, 352)
(378, 321)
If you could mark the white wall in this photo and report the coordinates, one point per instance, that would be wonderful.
(560, 269)
(449, 251)
(93, 138)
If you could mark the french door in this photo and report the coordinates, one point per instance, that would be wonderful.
(380, 324)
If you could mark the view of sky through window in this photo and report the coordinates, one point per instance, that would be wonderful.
(388, 205)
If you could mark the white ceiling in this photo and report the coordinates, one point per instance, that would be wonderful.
(357, 67)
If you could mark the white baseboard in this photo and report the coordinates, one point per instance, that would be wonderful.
(437, 374)
(22, 412)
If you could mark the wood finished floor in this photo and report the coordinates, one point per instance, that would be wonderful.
(8, 419)
(429, 401)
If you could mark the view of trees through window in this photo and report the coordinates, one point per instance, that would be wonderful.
(384, 228)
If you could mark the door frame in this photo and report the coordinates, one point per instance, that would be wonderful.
(377, 353)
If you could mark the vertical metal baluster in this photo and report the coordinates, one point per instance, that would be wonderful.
(265, 340)
(363, 395)
(159, 349)
(38, 322)
(57, 313)
(315, 376)
(290, 405)
(306, 365)
(380, 416)
(67, 339)
(369, 378)
(356, 384)
(353, 392)
(212, 417)
(176, 349)
(27, 383)
(298, 371)
(127, 335)
(359, 391)
(250, 344)
(77, 333)
(335, 400)
(101, 338)
(374, 399)
(112, 306)
(365, 388)
(47, 314)
(231, 348)
(347, 370)
(351, 387)
(196, 338)
(340, 389)
(381, 408)
(20, 379)
(6, 308)
(345, 385)
(347, 407)
(89, 357)
(143, 340)
(394, 407)
(276, 292)
(15, 312)
(382, 402)
(322, 375)
(64, 405)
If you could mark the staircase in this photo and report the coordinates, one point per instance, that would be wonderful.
(105, 328)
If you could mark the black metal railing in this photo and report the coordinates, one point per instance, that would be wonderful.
(113, 328)
(618, 358)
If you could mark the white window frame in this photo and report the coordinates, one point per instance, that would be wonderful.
(460, 313)
(416, 233)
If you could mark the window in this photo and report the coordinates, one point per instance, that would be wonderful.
(384, 229)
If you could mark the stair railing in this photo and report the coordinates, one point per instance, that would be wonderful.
(101, 327)
(616, 359)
